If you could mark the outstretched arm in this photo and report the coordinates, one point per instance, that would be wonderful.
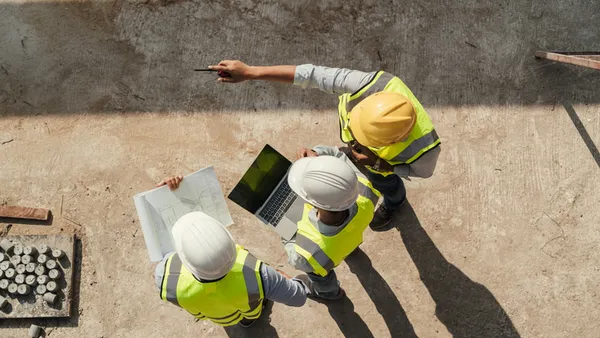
(279, 288)
(329, 80)
(240, 72)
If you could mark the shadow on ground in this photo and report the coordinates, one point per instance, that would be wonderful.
(465, 307)
(124, 56)
(348, 321)
(585, 136)
(261, 328)
(381, 294)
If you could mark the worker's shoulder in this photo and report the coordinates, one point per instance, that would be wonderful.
(161, 265)
(169, 255)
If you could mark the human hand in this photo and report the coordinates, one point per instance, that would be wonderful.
(305, 152)
(365, 156)
(172, 182)
(362, 154)
(284, 274)
(237, 70)
(307, 282)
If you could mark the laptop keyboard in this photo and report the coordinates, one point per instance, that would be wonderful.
(278, 204)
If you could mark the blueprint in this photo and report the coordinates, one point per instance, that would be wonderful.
(160, 208)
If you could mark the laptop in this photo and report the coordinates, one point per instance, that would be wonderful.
(264, 192)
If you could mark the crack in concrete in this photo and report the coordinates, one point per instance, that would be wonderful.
(561, 236)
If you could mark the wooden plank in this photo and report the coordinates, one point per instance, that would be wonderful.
(574, 60)
(592, 57)
(24, 212)
(32, 305)
(575, 53)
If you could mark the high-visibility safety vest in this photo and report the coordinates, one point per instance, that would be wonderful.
(236, 296)
(422, 138)
(324, 252)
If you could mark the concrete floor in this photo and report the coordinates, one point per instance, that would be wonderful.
(100, 102)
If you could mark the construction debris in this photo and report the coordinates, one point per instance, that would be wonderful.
(55, 274)
(35, 331)
(51, 264)
(42, 259)
(49, 297)
(40, 289)
(57, 253)
(17, 249)
(34, 284)
(6, 245)
(39, 214)
(52, 286)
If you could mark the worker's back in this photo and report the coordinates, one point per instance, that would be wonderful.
(236, 296)
(312, 242)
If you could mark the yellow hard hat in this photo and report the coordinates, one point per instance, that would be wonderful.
(382, 119)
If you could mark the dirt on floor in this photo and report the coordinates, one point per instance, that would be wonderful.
(99, 101)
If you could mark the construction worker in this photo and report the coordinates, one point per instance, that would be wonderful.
(380, 119)
(213, 278)
(340, 203)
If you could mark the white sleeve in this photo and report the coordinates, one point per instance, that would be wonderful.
(295, 260)
(159, 271)
(423, 167)
(291, 292)
(331, 80)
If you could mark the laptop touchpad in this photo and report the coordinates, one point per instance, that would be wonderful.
(294, 213)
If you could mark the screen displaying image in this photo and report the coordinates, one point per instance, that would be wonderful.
(260, 180)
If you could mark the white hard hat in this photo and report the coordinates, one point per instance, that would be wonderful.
(204, 246)
(326, 182)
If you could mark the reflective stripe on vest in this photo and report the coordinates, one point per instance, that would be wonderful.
(413, 149)
(237, 296)
(251, 281)
(324, 252)
(366, 189)
(315, 251)
(170, 291)
(376, 85)
(422, 138)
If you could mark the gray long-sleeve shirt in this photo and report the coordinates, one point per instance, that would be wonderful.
(296, 260)
(276, 287)
(341, 80)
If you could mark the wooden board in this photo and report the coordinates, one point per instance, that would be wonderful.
(32, 306)
(583, 59)
(24, 212)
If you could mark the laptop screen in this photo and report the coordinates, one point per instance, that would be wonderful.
(260, 180)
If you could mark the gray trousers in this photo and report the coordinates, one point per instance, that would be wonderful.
(391, 187)
(327, 286)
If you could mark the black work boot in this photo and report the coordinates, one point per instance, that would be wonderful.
(247, 322)
(381, 219)
(341, 294)
(313, 295)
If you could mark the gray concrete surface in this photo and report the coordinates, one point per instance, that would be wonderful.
(100, 101)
